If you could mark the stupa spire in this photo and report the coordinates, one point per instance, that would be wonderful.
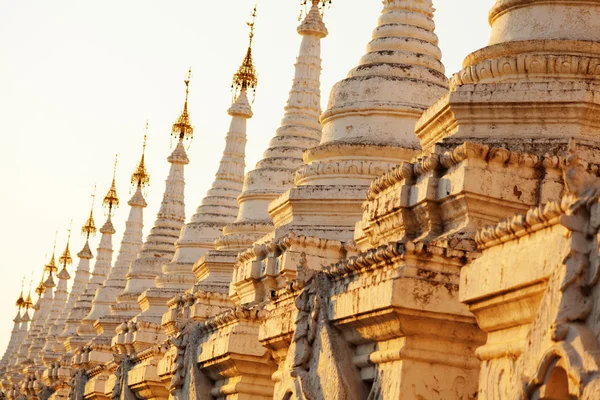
(159, 246)
(246, 78)
(99, 316)
(70, 334)
(369, 125)
(372, 126)
(80, 280)
(28, 302)
(58, 304)
(182, 127)
(89, 228)
(299, 130)
(140, 177)
(219, 207)
(51, 267)
(42, 307)
(21, 299)
(16, 331)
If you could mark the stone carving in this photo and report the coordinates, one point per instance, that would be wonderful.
(308, 304)
(347, 167)
(181, 342)
(120, 390)
(527, 65)
(45, 392)
(77, 384)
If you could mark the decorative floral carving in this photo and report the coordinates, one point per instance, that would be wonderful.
(516, 67)
(345, 167)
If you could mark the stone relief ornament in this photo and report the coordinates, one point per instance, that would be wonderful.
(77, 384)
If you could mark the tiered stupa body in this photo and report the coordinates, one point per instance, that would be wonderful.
(218, 208)
(49, 332)
(15, 334)
(243, 371)
(299, 130)
(75, 333)
(106, 296)
(19, 331)
(369, 125)
(45, 292)
(80, 280)
(159, 247)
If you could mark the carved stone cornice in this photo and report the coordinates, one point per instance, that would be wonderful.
(377, 257)
(238, 314)
(533, 60)
(519, 225)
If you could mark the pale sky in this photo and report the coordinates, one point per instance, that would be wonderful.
(79, 79)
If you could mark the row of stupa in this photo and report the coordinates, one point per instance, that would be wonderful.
(423, 238)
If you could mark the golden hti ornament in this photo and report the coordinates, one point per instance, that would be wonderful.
(182, 128)
(89, 229)
(50, 268)
(111, 200)
(140, 177)
(246, 78)
(65, 259)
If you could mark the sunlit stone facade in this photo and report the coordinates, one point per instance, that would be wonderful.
(422, 238)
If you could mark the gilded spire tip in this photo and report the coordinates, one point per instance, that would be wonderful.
(182, 128)
(111, 200)
(21, 301)
(89, 229)
(246, 78)
(140, 177)
(65, 259)
(29, 302)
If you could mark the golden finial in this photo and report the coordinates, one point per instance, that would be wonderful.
(89, 229)
(322, 3)
(111, 200)
(140, 177)
(29, 302)
(246, 78)
(182, 128)
(51, 266)
(21, 301)
(40, 289)
(65, 259)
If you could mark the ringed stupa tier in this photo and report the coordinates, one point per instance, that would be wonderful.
(80, 280)
(220, 206)
(534, 59)
(75, 332)
(369, 125)
(159, 246)
(106, 296)
(300, 130)
(58, 304)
